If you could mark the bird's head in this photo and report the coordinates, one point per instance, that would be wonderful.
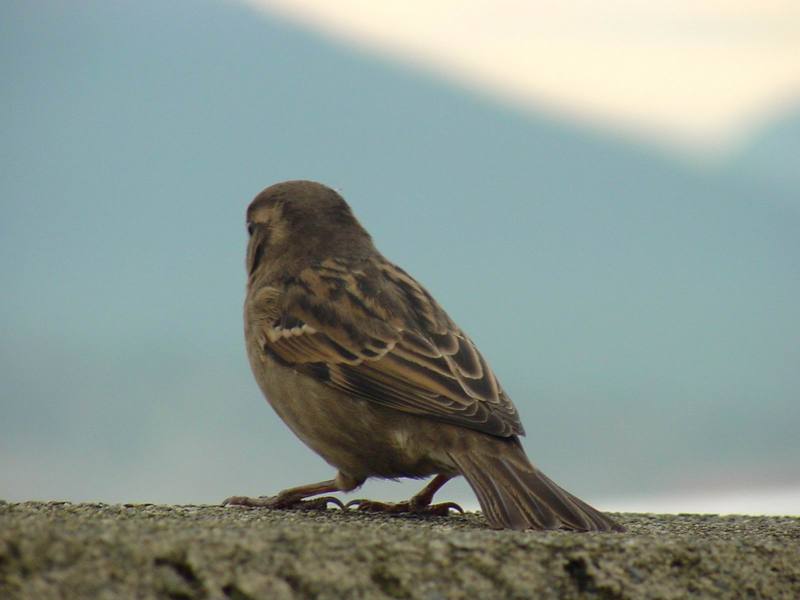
(295, 222)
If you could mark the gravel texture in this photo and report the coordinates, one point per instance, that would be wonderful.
(60, 550)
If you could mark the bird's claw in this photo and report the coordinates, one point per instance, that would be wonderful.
(439, 510)
(320, 503)
(443, 508)
(284, 502)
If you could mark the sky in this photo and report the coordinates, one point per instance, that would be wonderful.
(695, 74)
(638, 303)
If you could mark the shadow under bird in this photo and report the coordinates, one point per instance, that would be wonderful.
(371, 373)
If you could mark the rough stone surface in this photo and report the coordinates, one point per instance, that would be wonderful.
(60, 550)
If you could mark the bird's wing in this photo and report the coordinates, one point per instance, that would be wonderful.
(376, 334)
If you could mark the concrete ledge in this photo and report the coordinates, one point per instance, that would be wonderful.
(58, 550)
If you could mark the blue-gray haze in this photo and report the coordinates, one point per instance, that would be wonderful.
(641, 311)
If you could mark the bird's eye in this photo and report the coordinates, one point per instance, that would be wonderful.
(250, 228)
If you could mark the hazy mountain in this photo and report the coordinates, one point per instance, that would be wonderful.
(772, 155)
(642, 313)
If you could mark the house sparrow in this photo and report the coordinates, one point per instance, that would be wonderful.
(368, 370)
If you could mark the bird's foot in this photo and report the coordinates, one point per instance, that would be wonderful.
(284, 502)
(439, 510)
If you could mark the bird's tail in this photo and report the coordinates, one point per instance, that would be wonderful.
(514, 494)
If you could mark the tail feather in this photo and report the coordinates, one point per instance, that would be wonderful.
(514, 494)
(539, 512)
(498, 507)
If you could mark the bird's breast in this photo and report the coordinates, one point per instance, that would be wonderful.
(356, 436)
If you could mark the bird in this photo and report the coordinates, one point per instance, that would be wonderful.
(368, 370)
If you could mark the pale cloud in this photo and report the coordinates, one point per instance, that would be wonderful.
(698, 73)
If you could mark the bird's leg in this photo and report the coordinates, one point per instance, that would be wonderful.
(418, 504)
(293, 498)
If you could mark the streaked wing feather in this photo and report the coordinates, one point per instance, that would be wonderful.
(424, 366)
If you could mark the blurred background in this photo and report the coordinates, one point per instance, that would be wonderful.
(606, 196)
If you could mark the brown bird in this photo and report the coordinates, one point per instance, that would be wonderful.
(368, 370)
